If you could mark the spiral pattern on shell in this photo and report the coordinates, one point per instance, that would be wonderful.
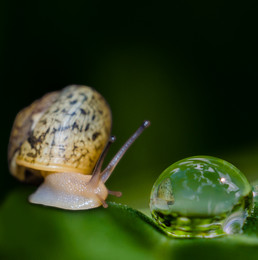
(64, 131)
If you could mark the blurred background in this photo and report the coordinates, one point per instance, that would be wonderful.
(190, 67)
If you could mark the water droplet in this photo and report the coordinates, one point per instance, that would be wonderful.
(201, 197)
(255, 190)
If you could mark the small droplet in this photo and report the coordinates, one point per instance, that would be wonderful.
(255, 191)
(201, 197)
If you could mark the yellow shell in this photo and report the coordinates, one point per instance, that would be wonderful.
(64, 131)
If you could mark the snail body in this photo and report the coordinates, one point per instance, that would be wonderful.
(62, 139)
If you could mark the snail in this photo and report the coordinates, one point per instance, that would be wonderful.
(62, 139)
(201, 196)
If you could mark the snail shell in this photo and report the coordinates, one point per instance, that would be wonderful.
(61, 132)
(62, 139)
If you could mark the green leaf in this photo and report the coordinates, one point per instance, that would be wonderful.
(36, 232)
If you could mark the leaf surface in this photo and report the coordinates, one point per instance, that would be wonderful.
(119, 232)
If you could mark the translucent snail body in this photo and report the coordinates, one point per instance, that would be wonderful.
(62, 139)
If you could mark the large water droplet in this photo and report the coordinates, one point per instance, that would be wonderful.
(201, 197)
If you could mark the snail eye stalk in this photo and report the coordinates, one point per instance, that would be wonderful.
(113, 163)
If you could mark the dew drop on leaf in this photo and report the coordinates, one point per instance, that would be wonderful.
(201, 196)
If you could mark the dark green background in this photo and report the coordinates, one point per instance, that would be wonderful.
(188, 66)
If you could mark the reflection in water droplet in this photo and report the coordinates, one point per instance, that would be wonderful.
(222, 180)
(201, 197)
(234, 223)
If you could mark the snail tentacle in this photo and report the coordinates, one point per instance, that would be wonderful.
(115, 193)
(96, 175)
(111, 166)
